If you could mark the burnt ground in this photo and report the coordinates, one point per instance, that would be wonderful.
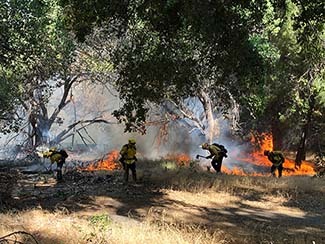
(243, 215)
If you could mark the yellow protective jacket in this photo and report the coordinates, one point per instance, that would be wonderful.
(276, 157)
(55, 157)
(128, 153)
(215, 151)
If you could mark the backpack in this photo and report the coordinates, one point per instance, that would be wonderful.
(276, 157)
(222, 148)
(63, 153)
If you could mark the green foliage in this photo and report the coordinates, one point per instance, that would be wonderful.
(102, 222)
(8, 99)
(174, 49)
(83, 15)
(268, 55)
(319, 86)
(34, 48)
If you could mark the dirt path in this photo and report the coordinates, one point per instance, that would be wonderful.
(253, 216)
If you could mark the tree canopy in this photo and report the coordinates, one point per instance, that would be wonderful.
(263, 57)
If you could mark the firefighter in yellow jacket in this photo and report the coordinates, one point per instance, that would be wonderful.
(277, 160)
(217, 153)
(56, 157)
(128, 159)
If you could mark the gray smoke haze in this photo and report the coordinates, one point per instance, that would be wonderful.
(95, 101)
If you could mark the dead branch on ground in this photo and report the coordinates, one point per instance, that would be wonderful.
(13, 238)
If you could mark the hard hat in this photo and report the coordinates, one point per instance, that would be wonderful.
(205, 145)
(132, 141)
(53, 149)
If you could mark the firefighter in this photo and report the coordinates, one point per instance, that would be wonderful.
(128, 159)
(57, 157)
(277, 160)
(217, 153)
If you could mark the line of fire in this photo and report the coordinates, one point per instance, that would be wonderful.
(254, 163)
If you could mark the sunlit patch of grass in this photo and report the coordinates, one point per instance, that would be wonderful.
(169, 165)
(161, 232)
(188, 191)
(50, 228)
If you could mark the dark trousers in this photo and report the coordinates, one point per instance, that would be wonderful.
(132, 168)
(59, 170)
(216, 164)
(280, 168)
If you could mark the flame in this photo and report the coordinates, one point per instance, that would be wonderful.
(180, 159)
(257, 158)
(110, 163)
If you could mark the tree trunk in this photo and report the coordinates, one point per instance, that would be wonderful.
(301, 151)
(39, 133)
(211, 126)
(277, 135)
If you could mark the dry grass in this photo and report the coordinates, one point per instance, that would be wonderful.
(189, 192)
(49, 228)
(197, 180)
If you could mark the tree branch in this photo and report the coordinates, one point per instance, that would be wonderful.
(63, 135)
(187, 115)
(67, 86)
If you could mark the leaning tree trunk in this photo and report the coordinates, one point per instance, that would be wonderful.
(40, 120)
(301, 152)
(212, 128)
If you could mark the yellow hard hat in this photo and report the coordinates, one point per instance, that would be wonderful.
(53, 149)
(132, 141)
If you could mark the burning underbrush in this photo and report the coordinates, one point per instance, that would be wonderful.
(108, 162)
(256, 164)
(180, 159)
(243, 164)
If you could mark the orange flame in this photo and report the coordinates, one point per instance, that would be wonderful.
(180, 159)
(110, 163)
(257, 158)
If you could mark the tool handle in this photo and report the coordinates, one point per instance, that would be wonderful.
(200, 156)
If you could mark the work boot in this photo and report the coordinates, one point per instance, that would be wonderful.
(126, 177)
(59, 177)
(134, 176)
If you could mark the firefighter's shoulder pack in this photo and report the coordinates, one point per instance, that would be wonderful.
(64, 153)
(277, 156)
(222, 148)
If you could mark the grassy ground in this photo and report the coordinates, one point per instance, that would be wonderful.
(170, 205)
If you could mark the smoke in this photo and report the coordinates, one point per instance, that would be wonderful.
(177, 137)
